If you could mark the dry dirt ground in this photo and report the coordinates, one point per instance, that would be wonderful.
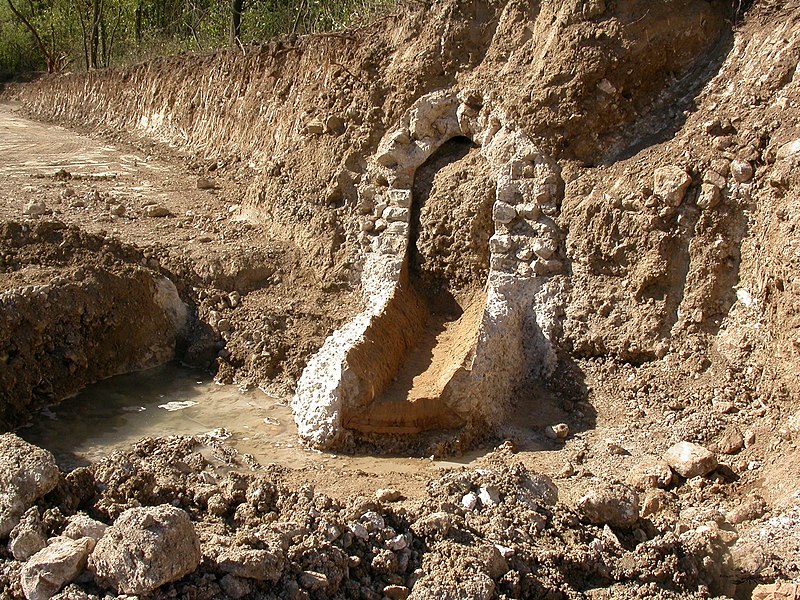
(680, 319)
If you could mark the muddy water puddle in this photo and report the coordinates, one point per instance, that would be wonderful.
(174, 400)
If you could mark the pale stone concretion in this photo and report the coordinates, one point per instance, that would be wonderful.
(28, 537)
(690, 460)
(328, 380)
(613, 504)
(53, 567)
(788, 150)
(670, 184)
(146, 548)
(82, 525)
(509, 339)
(742, 171)
(26, 474)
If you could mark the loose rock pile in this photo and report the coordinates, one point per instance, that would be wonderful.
(163, 521)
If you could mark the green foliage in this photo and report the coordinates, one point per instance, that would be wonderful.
(17, 52)
(85, 34)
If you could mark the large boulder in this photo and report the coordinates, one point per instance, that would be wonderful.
(27, 473)
(146, 548)
(53, 567)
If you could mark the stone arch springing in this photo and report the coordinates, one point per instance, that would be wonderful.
(524, 255)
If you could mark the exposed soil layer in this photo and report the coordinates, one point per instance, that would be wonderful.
(676, 129)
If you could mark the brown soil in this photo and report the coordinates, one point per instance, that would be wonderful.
(680, 322)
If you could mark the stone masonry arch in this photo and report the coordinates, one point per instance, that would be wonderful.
(501, 339)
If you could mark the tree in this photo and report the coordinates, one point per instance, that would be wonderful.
(53, 59)
(236, 21)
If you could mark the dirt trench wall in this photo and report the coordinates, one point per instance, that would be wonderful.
(88, 323)
(302, 115)
(618, 94)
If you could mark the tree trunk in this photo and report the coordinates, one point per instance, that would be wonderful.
(236, 21)
(138, 25)
(94, 33)
(49, 58)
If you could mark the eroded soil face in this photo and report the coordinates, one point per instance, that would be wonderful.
(675, 128)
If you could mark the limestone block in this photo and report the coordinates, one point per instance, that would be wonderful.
(500, 244)
(146, 548)
(26, 474)
(690, 460)
(670, 184)
(53, 567)
(502, 212)
(401, 198)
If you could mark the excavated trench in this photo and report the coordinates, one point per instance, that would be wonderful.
(447, 317)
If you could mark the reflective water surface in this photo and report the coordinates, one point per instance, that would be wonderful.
(175, 400)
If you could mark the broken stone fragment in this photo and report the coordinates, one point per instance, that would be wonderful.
(315, 127)
(156, 210)
(489, 495)
(650, 474)
(742, 171)
(747, 511)
(248, 563)
(312, 580)
(82, 525)
(782, 590)
(559, 431)
(469, 501)
(204, 183)
(235, 587)
(502, 212)
(396, 592)
(612, 504)
(26, 474)
(53, 567)
(670, 184)
(709, 196)
(34, 209)
(388, 495)
(690, 460)
(163, 533)
(28, 537)
(436, 524)
(372, 521)
(606, 86)
(731, 441)
(714, 178)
